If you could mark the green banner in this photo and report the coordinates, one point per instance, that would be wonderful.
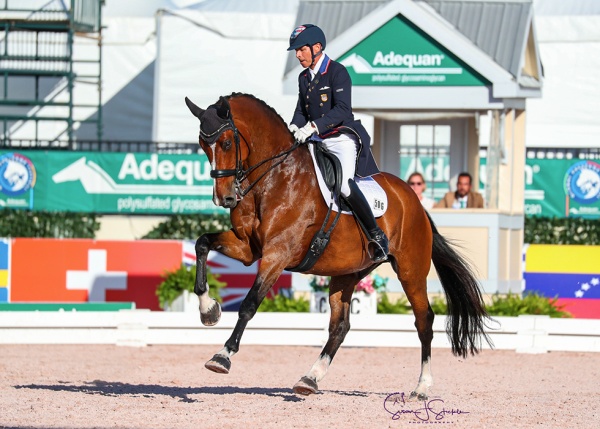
(146, 183)
(126, 183)
(401, 54)
(562, 188)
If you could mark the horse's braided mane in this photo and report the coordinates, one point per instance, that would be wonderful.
(261, 102)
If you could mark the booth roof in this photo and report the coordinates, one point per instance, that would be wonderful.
(506, 23)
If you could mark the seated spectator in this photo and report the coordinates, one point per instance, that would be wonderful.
(417, 182)
(463, 198)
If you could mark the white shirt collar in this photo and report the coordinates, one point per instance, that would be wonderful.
(317, 66)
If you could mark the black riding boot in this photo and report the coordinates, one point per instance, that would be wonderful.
(378, 242)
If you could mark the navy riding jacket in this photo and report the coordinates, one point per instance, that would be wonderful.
(327, 101)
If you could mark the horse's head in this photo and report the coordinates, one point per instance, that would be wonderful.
(220, 140)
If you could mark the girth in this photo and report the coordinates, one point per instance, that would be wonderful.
(331, 169)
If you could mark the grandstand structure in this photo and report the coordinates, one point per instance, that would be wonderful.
(50, 71)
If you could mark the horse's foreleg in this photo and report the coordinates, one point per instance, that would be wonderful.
(266, 278)
(340, 297)
(228, 244)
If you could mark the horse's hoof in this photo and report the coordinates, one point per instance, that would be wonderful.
(212, 317)
(418, 396)
(219, 364)
(306, 386)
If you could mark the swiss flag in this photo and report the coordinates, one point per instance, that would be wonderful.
(81, 270)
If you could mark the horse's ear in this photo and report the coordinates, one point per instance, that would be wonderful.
(223, 111)
(196, 111)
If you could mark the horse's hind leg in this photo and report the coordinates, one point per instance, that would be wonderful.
(340, 297)
(416, 292)
(424, 323)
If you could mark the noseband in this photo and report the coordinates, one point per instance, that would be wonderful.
(238, 172)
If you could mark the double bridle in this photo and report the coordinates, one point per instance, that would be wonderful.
(239, 172)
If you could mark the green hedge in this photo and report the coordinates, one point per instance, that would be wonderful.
(514, 305)
(182, 227)
(42, 224)
(544, 230)
(511, 305)
(24, 223)
(538, 230)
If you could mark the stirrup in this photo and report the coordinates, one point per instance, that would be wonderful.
(380, 245)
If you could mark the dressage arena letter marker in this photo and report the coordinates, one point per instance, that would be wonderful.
(96, 280)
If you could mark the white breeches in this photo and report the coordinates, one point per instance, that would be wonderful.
(344, 147)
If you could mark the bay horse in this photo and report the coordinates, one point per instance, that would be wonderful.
(268, 182)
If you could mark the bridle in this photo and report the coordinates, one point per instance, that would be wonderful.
(239, 172)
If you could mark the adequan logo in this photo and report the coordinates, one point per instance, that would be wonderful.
(393, 63)
(408, 60)
(95, 180)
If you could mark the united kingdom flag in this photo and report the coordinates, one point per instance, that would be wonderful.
(238, 277)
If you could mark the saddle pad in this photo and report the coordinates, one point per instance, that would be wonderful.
(374, 193)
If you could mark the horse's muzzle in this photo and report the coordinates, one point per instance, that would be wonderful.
(229, 202)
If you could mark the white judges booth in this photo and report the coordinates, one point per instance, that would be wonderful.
(446, 83)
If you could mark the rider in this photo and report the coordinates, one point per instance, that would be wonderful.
(324, 104)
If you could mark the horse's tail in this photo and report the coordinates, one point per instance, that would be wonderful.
(466, 313)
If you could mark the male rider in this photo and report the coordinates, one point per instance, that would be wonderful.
(324, 108)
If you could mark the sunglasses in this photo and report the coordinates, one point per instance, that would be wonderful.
(415, 183)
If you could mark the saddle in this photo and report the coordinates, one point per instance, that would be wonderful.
(331, 171)
(331, 174)
(330, 167)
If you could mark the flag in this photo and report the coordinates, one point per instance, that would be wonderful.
(571, 273)
(85, 270)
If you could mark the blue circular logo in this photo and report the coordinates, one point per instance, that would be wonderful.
(582, 182)
(17, 174)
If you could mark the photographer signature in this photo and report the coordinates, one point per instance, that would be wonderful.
(432, 410)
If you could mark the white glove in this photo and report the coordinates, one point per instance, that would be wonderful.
(293, 128)
(305, 132)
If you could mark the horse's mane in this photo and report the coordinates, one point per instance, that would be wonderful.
(268, 108)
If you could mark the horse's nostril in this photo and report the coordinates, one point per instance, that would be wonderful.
(229, 202)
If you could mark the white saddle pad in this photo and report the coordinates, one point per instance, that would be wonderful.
(374, 193)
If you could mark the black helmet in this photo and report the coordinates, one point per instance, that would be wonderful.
(306, 35)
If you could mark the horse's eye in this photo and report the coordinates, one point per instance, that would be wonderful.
(227, 145)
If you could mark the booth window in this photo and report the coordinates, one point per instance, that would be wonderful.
(426, 148)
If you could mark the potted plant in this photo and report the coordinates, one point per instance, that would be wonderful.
(176, 292)
(364, 298)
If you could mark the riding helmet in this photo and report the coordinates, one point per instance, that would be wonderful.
(306, 35)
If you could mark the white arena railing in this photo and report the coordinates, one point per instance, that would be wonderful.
(524, 334)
